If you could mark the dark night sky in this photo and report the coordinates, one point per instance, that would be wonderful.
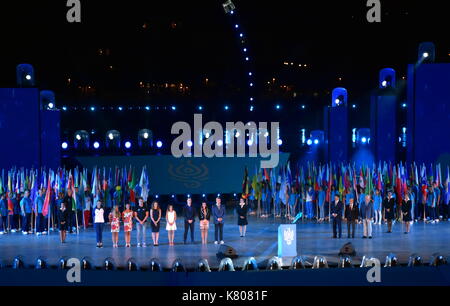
(332, 37)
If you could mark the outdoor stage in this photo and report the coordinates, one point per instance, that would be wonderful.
(260, 242)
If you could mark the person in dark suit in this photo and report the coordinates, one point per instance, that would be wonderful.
(406, 210)
(336, 215)
(351, 215)
(389, 210)
(218, 212)
(189, 220)
(242, 210)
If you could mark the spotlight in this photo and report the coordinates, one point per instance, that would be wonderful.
(189, 144)
(345, 262)
(404, 105)
(64, 145)
(86, 263)
(177, 266)
(251, 84)
(251, 108)
(415, 261)
(64, 108)
(425, 55)
(241, 35)
(245, 49)
(204, 195)
(364, 140)
(266, 134)
(237, 134)
(338, 102)
(297, 263)
(78, 137)
(28, 77)
(203, 266)
(51, 105)
(250, 74)
(303, 106)
(226, 107)
(220, 142)
(391, 261)
(18, 263)
(173, 196)
(156, 196)
(108, 264)
(147, 108)
(155, 266)
(200, 108)
(354, 106)
(316, 141)
(250, 265)
(437, 260)
(236, 26)
(96, 145)
(40, 264)
(111, 136)
(120, 108)
(274, 264)
(249, 142)
(280, 142)
(159, 144)
(309, 142)
(207, 135)
(247, 58)
(278, 106)
(127, 144)
(226, 264)
(63, 263)
(145, 135)
(384, 83)
(174, 108)
(251, 99)
(320, 262)
(132, 265)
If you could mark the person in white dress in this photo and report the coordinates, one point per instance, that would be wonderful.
(171, 226)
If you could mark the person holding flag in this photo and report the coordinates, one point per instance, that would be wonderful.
(26, 209)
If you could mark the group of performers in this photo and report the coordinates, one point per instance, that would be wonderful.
(138, 215)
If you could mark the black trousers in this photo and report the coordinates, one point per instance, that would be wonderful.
(351, 225)
(218, 232)
(188, 226)
(337, 225)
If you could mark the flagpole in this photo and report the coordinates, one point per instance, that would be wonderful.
(76, 220)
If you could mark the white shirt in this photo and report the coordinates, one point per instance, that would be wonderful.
(99, 216)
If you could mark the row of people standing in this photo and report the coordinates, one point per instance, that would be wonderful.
(144, 216)
(366, 212)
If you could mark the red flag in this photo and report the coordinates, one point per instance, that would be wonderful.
(47, 199)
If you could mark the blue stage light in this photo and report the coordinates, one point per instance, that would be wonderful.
(127, 144)
(250, 74)
(174, 108)
(249, 142)
(309, 142)
(280, 142)
(64, 108)
(303, 106)
(28, 77)
(220, 142)
(251, 108)
(316, 141)
(51, 105)
(226, 107)
(364, 140)
(92, 108)
(200, 108)
(156, 196)
(64, 145)
(120, 108)
(231, 12)
(278, 106)
(159, 144)
(251, 84)
(247, 58)
(245, 49)
(236, 26)
(189, 144)
(204, 195)
(147, 108)
(96, 145)
(404, 105)
(426, 55)
(241, 35)
(354, 106)
(173, 196)
(251, 99)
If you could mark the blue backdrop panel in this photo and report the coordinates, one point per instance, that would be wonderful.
(428, 113)
(383, 125)
(169, 175)
(19, 127)
(50, 138)
(337, 133)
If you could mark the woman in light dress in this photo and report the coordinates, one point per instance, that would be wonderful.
(171, 226)
(127, 217)
(114, 219)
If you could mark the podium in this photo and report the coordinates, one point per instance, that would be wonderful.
(287, 240)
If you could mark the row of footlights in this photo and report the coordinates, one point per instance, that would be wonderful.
(226, 264)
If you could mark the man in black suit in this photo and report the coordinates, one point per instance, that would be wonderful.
(189, 219)
(389, 212)
(336, 215)
(351, 214)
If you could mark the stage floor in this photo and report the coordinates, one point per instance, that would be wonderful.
(260, 242)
